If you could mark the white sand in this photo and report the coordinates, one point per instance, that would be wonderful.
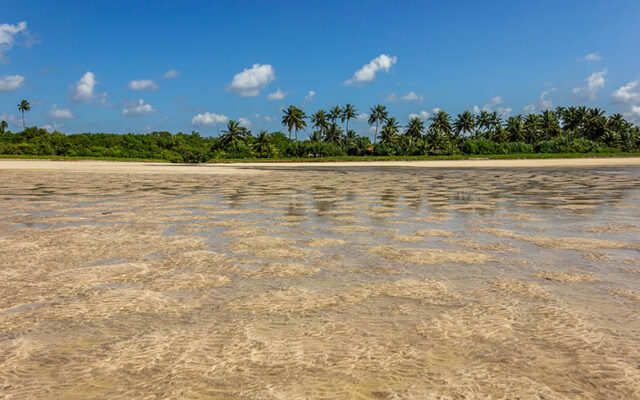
(252, 168)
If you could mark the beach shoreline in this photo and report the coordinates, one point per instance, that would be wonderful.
(252, 168)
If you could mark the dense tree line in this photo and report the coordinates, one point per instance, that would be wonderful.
(563, 130)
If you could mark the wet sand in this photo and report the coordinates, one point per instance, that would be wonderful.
(331, 281)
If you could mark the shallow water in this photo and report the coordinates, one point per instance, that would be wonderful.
(368, 283)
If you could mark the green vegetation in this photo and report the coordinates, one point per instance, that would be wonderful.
(563, 132)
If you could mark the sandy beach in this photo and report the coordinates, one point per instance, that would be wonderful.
(252, 168)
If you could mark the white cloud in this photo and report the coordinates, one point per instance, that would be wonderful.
(8, 35)
(543, 103)
(142, 84)
(634, 114)
(368, 71)
(391, 97)
(137, 109)
(594, 82)
(277, 95)
(246, 122)
(60, 113)
(422, 115)
(627, 94)
(593, 57)
(48, 128)
(362, 117)
(436, 110)
(309, 97)
(12, 119)
(9, 83)
(171, 74)
(82, 91)
(269, 119)
(413, 96)
(251, 81)
(491, 107)
(209, 119)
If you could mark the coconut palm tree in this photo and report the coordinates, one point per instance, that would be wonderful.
(515, 129)
(293, 119)
(441, 122)
(388, 134)
(377, 114)
(348, 112)
(319, 121)
(263, 145)
(415, 128)
(335, 113)
(3, 126)
(22, 107)
(483, 121)
(531, 127)
(549, 125)
(465, 123)
(234, 134)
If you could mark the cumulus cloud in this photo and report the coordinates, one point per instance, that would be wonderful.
(137, 109)
(171, 74)
(60, 113)
(11, 119)
(368, 71)
(362, 117)
(543, 103)
(634, 114)
(413, 96)
(209, 119)
(593, 57)
(495, 104)
(83, 90)
(391, 97)
(246, 122)
(9, 83)
(142, 84)
(277, 95)
(627, 94)
(8, 35)
(251, 81)
(422, 115)
(308, 97)
(595, 81)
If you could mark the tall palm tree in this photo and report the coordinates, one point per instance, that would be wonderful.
(3, 126)
(348, 112)
(335, 113)
(293, 119)
(415, 128)
(531, 126)
(22, 107)
(378, 114)
(319, 121)
(234, 134)
(441, 122)
(465, 123)
(495, 120)
(483, 121)
(263, 145)
(389, 132)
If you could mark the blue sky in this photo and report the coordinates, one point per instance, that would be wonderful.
(101, 66)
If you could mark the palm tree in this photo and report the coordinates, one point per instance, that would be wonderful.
(388, 134)
(263, 146)
(3, 126)
(234, 134)
(514, 129)
(293, 119)
(465, 123)
(531, 125)
(348, 112)
(22, 107)
(319, 121)
(483, 121)
(335, 113)
(441, 122)
(549, 124)
(495, 120)
(415, 128)
(316, 136)
(378, 114)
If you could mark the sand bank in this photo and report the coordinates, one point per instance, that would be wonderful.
(253, 168)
